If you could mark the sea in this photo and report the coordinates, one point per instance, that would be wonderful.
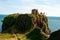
(53, 23)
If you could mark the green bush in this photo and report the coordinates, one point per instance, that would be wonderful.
(8, 22)
(23, 23)
(36, 34)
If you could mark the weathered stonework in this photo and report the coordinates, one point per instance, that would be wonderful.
(35, 11)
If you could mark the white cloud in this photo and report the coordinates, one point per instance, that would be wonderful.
(25, 6)
(27, 0)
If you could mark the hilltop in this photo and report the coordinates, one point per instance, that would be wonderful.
(32, 26)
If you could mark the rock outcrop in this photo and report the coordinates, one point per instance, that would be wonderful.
(55, 35)
(40, 21)
(22, 23)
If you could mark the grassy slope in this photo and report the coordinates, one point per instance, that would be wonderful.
(7, 36)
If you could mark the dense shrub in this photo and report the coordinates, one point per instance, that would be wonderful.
(36, 34)
(55, 35)
(23, 23)
(8, 22)
(20, 23)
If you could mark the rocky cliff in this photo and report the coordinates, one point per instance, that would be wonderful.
(55, 35)
(23, 23)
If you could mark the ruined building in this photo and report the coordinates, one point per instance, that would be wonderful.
(35, 11)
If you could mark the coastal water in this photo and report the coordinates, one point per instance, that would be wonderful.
(1, 19)
(53, 22)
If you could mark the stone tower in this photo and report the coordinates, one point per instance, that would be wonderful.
(35, 11)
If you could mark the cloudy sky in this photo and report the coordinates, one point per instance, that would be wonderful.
(50, 7)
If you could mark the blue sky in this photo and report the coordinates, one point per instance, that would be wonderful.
(50, 7)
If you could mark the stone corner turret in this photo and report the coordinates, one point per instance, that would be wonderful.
(35, 11)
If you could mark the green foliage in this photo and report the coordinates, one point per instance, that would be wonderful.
(9, 30)
(55, 35)
(44, 27)
(20, 23)
(8, 22)
(36, 34)
(23, 23)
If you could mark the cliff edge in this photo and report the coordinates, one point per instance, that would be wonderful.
(23, 23)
